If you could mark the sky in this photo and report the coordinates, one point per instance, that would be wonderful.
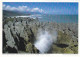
(43, 7)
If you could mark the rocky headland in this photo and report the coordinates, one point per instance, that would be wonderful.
(19, 35)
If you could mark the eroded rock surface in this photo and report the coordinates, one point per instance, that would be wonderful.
(20, 34)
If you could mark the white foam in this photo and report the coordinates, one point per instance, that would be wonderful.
(44, 41)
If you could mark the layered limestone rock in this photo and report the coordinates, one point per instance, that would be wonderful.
(19, 35)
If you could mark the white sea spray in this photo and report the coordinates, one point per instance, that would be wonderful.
(45, 39)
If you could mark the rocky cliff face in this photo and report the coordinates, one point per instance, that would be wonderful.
(20, 34)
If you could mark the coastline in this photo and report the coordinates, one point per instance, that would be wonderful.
(21, 32)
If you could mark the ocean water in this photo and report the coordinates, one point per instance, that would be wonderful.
(57, 18)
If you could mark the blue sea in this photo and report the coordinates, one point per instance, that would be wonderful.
(57, 18)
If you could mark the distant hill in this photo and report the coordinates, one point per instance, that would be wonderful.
(16, 13)
(13, 13)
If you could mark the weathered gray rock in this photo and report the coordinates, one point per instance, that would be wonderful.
(9, 37)
(10, 24)
(21, 33)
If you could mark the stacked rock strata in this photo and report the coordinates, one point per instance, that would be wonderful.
(20, 34)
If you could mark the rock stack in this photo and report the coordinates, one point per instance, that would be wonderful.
(20, 34)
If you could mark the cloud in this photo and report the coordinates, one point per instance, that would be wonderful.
(21, 9)
(4, 6)
(37, 10)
